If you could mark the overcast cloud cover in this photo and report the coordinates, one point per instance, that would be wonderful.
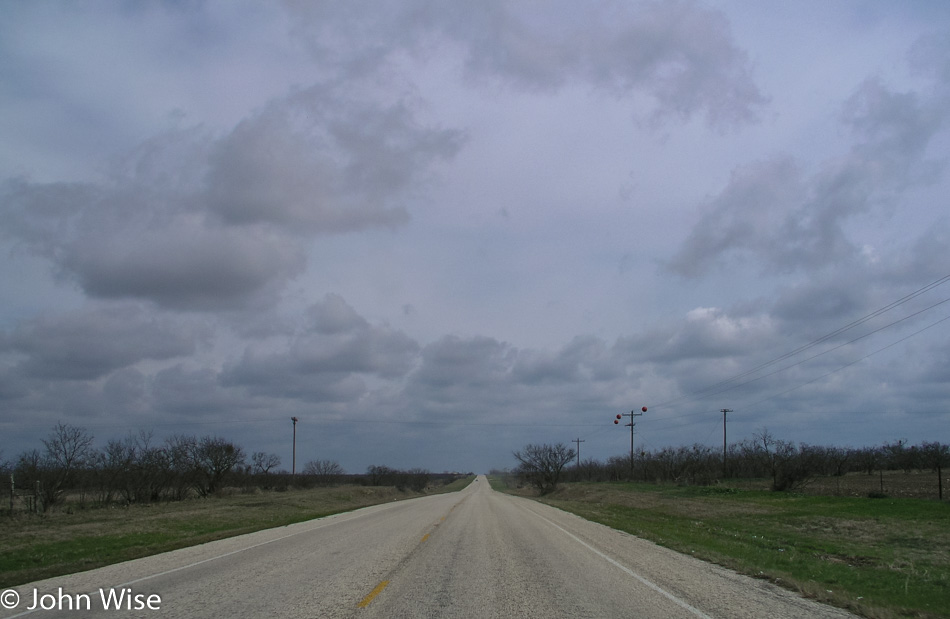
(438, 231)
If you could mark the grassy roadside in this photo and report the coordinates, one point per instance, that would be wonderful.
(880, 558)
(33, 548)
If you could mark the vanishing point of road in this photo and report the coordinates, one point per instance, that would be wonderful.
(474, 553)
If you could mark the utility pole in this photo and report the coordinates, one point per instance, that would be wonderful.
(631, 415)
(724, 411)
(293, 465)
(578, 441)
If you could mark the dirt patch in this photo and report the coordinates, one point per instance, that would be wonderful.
(850, 560)
(897, 484)
(644, 499)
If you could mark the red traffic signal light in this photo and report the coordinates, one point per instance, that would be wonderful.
(619, 416)
(615, 421)
(644, 409)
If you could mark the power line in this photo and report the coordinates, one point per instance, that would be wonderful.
(721, 386)
(847, 365)
(825, 352)
(578, 441)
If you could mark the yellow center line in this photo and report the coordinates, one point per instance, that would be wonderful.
(425, 537)
(372, 594)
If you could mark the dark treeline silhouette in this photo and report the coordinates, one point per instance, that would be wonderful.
(142, 469)
(787, 465)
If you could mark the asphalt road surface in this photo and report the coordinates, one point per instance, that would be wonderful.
(474, 553)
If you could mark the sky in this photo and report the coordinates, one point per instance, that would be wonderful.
(436, 232)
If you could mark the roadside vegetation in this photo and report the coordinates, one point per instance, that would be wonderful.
(63, 541)
(69, 506)
(762, 461)
(140, 469)
(875, 540)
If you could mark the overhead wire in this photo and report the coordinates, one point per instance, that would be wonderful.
(714, 389)
(817, 378)
(825, 352)
(856, 361)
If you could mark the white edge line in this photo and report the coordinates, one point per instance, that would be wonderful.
(626, 569)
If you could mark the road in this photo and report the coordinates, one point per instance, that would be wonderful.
(474, 553)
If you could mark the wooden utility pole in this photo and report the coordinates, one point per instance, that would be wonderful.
(631, 415)
(293, 464)
(724, 411)
(578, 441)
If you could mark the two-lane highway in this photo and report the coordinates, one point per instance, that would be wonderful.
(475, 553)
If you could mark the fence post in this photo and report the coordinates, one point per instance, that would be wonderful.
(12, 493)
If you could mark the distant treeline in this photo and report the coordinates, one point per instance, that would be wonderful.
(789, 466)
(140, 469)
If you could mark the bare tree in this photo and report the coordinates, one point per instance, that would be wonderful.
(115, 466)
(153, 472)
(541, 465)
(764, 447)
(264, 462)
(324, 472)
(67, 450)
(180, 451)
(379, 475)
(838, 458)
(416, 479)
(215, 458)
(870, 458)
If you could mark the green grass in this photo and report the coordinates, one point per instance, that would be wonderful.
(877, 557)
(38, 547)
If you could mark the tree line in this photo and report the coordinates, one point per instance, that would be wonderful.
(142, 469)
(789, 466)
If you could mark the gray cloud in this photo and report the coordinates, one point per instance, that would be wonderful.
(486, 379)
(789, 221)
(323, 162)
(182, 394)
(194, 223)
(334, 315)
(89, 345)
(454, 364)
(679, 53)
(187, 265)
(331, 362)
(746, 216)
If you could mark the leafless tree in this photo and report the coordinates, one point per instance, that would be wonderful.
(416, 479)
(870, 459)
(180, 451)
(541, 465)
(324, 472)
(115, 466)
(264, 462)
(838, 458)
(67, 451)
(379, 475)
(214, 458)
